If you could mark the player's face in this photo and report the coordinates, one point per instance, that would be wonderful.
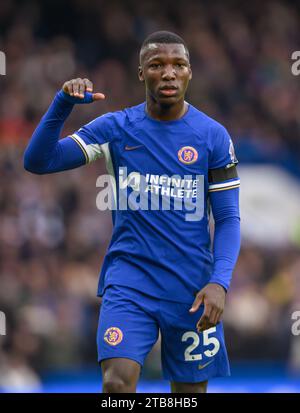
(166, 71)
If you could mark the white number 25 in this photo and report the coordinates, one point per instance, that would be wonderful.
(196, 341)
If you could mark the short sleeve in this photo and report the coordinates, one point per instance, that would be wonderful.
(222, 163)
(223, 153)
(93, 136)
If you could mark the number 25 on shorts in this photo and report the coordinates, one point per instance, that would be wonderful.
(207, 340)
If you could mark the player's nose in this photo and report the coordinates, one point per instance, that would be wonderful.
(168, 73)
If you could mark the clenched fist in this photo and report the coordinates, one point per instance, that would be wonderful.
(78, 87)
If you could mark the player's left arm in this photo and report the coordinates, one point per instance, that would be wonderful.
(224, 199)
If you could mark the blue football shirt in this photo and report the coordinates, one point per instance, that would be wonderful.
(161, 243)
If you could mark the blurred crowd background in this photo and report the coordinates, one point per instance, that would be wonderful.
(52, 237)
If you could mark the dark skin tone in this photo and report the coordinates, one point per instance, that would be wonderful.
(164, 66)
(165, 70)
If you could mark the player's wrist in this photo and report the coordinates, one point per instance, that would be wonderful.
(65, 97)
(219, 284)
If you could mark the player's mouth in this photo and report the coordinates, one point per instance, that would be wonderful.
(168, 90)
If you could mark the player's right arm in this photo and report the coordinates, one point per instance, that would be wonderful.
(45, 152)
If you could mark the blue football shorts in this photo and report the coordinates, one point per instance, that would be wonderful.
(129, 326)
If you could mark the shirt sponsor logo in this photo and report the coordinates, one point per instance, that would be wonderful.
(187, 155)
(113, 336)
(153, 192)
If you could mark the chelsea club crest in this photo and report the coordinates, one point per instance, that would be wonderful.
(187, 155)
(113, 336)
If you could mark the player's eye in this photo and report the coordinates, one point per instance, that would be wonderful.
(180, 65)
(155, 66)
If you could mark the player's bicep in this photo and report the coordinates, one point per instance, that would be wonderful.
(223, 188)
(89, 147)
(222, 179)
(93, 137)
(68, 156)
(222, 174)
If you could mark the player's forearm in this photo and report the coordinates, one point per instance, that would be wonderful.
(45, 153)
(227, 238)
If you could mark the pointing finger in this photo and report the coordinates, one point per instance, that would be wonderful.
(98, 96)
(196, 304)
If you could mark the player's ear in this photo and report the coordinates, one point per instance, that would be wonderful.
(141, 74)
(191, 73)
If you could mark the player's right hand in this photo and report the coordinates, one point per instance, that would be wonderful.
(77, 88)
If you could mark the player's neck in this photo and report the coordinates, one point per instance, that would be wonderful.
(163, 112)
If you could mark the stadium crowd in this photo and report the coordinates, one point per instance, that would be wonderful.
(53, 238)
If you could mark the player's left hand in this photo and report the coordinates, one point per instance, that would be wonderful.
(213, 297)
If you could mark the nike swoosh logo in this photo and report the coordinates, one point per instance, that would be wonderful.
(131, 148)
(200, 367)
